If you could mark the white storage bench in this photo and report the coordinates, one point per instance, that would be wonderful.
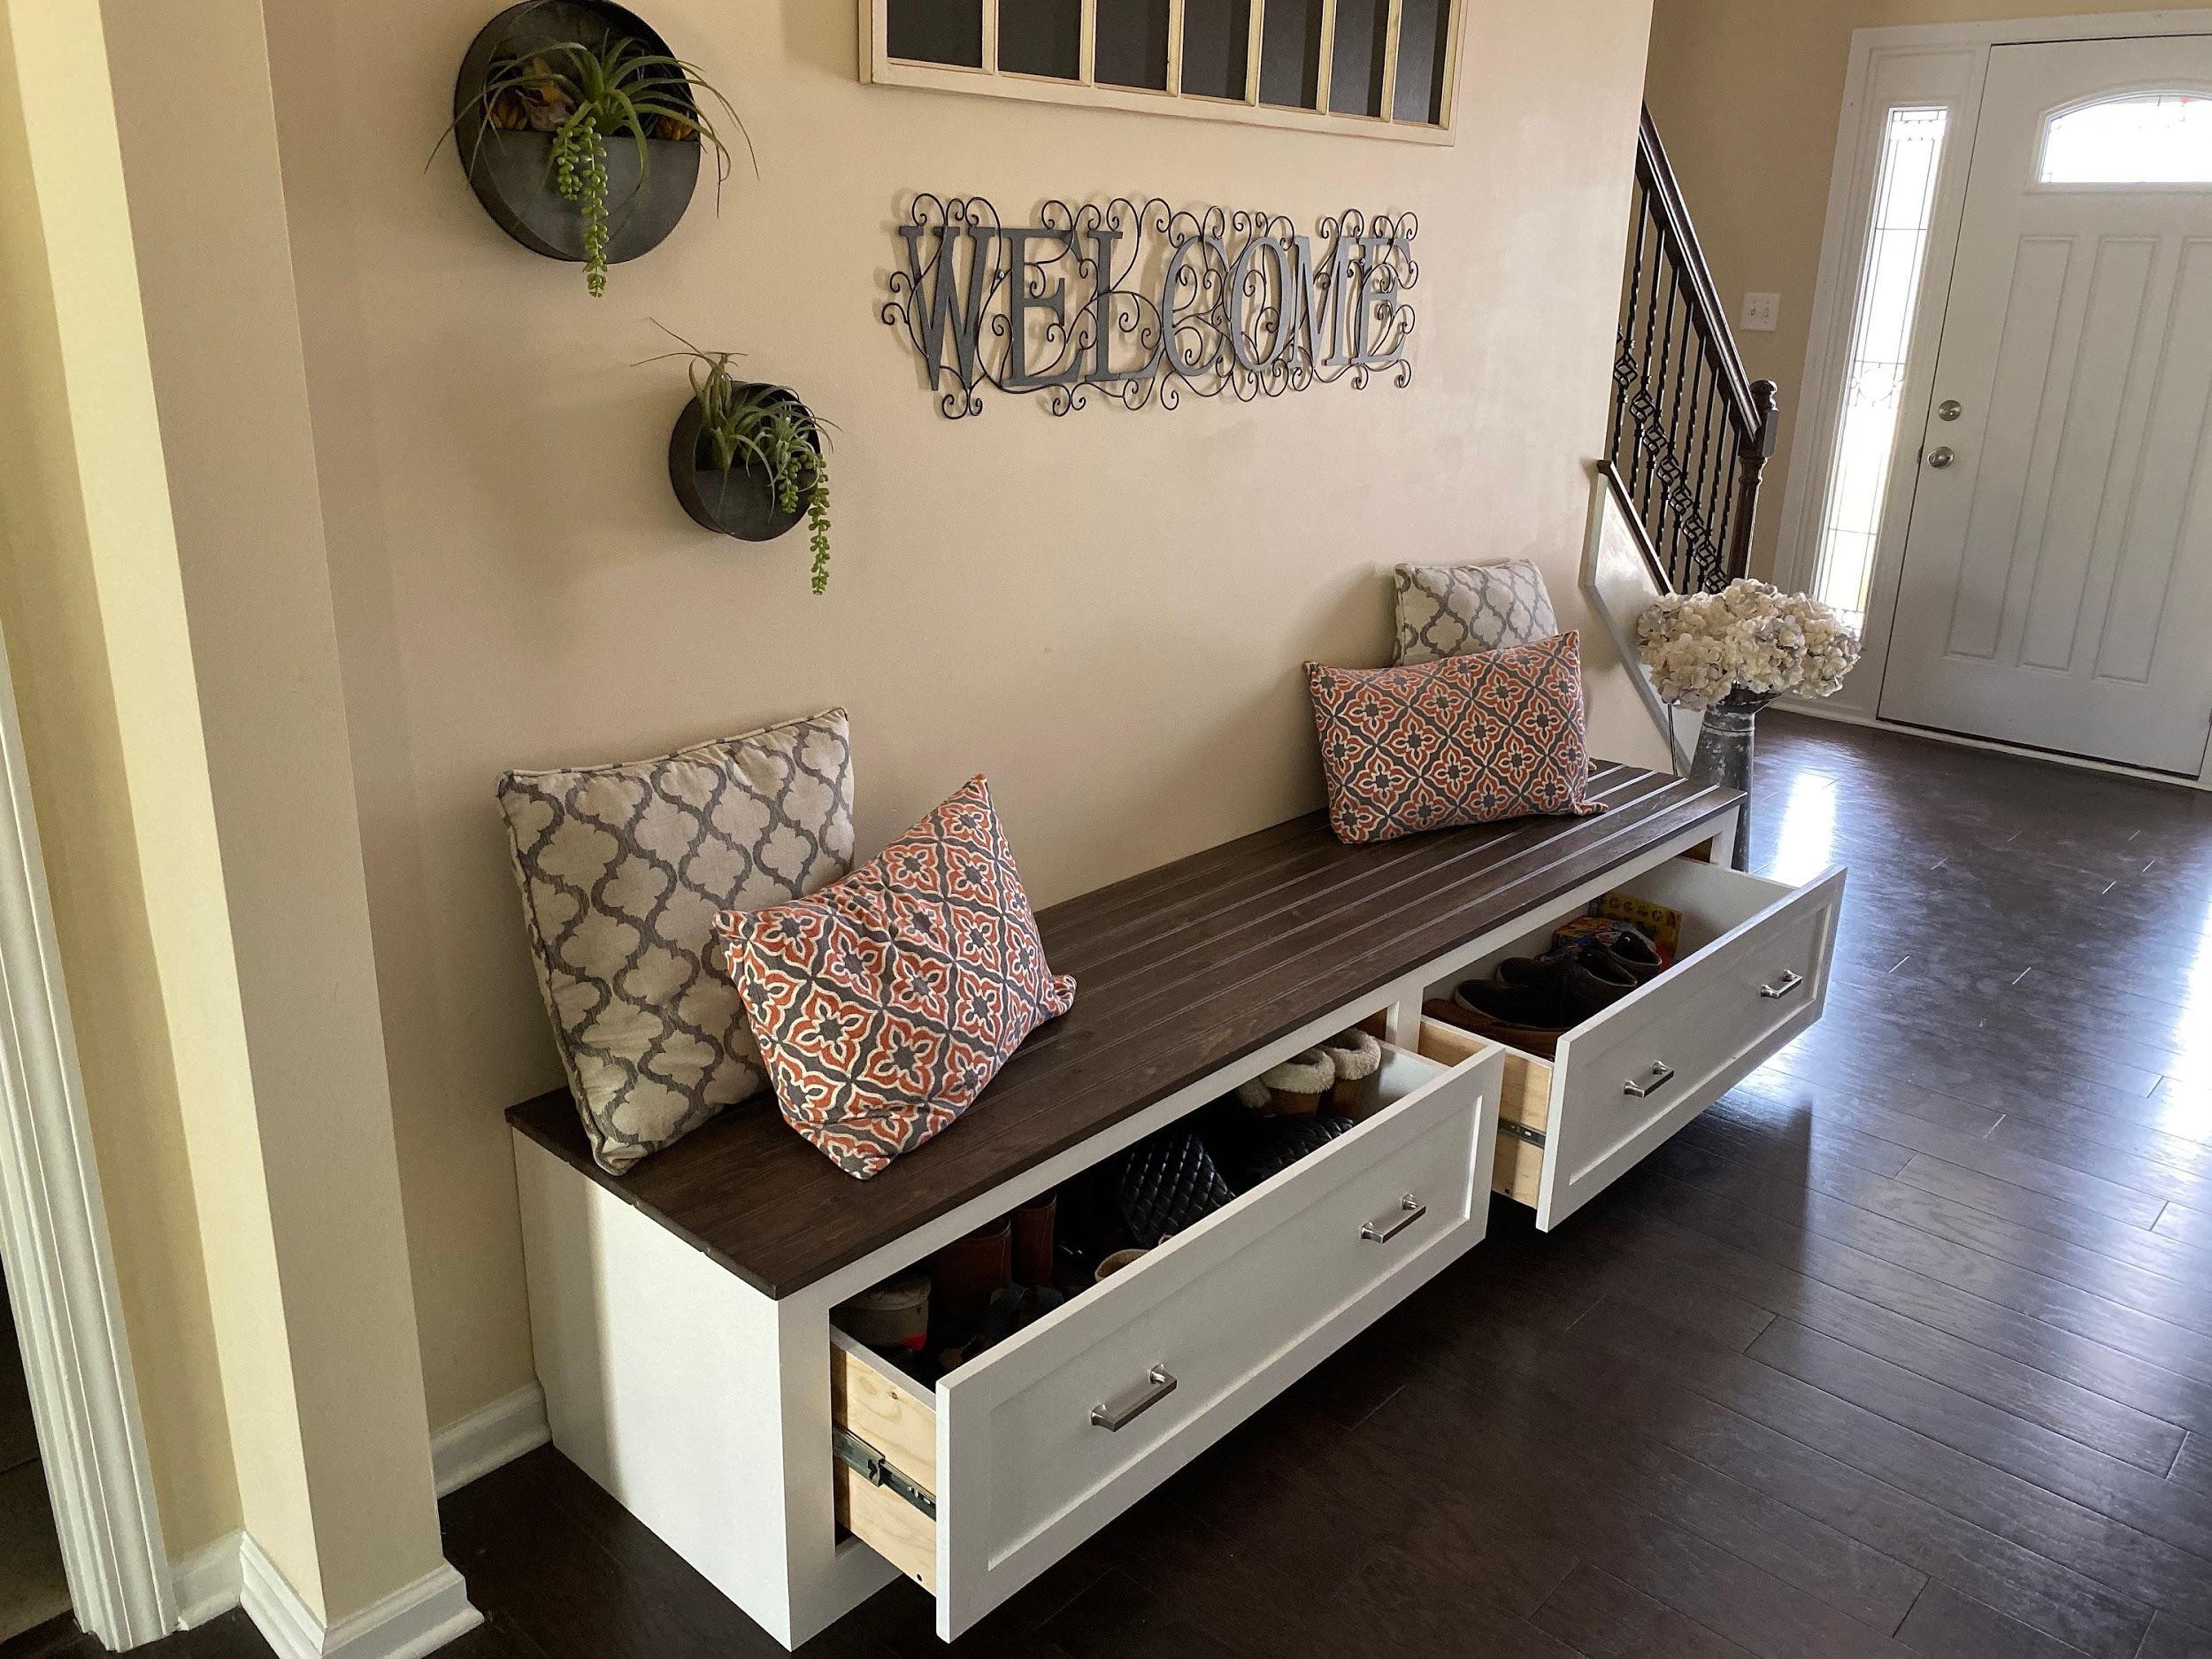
(683, 1314)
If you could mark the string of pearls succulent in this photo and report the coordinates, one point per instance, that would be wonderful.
(1701, 649)
(580, 173)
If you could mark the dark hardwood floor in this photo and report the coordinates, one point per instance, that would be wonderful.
(1905, 1347)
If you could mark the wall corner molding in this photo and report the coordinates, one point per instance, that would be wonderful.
(490, 1439)
(412, 1621)
(206, 1581)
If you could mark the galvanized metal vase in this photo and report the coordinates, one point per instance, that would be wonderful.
(1724, 755)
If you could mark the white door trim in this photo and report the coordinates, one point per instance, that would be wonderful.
(53, 1228)
(1955, 56)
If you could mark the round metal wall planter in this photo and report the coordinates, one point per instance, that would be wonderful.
(512, 172)
(738, 501)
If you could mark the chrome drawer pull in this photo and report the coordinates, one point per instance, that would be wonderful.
(1662, 1074)
(1410, 1210)
(1113, 1419)
(1775, 993)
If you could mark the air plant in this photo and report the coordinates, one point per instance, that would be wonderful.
(764, 429)
(585, 94)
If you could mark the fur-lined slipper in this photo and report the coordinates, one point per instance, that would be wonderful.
(1358, 1091)
(1297, 1087)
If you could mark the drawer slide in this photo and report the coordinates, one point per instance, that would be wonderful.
(871, 1465)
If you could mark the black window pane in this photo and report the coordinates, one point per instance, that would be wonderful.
(1424, 28)
(1132, 43)
(1217, 44)
(1290, 52)
(936, 31)
(1041, 37)
(1355, 71)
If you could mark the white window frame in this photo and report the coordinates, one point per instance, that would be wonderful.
(2074, 186)
(878, 67)
(1922, 66)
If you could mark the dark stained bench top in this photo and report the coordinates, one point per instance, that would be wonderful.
(1179, 971)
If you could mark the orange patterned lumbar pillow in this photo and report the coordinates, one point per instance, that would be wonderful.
(885, 1002)
(1467, 739)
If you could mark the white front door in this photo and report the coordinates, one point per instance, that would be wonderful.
(2057, 578)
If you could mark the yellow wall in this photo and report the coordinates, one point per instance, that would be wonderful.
(94, 623)
(185, 737)
(1749, 97)
(1106, 614)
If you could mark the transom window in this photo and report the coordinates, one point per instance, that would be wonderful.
(2144, 138)
(1383, 67)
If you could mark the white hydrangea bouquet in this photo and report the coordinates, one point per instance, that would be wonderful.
(1748, 643)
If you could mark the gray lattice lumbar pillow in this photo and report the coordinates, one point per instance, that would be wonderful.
(623, 870)
(1457, 609)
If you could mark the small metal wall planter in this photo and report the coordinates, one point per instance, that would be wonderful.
(738, 501)
(512, 171)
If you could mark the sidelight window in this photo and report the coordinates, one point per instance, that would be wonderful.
(1379, 67)
(2154, 138)
(1887, 308)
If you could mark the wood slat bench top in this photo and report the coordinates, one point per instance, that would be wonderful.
(1180, 972)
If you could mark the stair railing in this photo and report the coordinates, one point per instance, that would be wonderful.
(1691, 433)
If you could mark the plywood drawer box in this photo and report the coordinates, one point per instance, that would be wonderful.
(1031, 1446)
(1752, 973)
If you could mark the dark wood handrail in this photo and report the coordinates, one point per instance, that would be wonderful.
(1691, 430)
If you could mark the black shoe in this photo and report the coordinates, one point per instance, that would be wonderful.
(1592, 983)
(1533, 1004)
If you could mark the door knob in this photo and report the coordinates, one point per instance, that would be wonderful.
(1950, 409)
(1942, 457)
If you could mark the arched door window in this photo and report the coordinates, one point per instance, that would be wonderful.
(2139, 138)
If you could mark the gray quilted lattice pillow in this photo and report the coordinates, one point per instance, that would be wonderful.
(623, 870)
(1457, 609)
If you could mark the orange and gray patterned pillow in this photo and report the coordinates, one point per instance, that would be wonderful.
(1466, 740)
(624, 869)
(884, 1003)
(1456, 610)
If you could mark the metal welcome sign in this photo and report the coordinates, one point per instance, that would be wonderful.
(1143, 302)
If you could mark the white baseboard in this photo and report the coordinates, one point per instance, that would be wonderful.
(210, 1580)
(406, 1624)
(485, 1439)
(1820, 711)
(206, 1581)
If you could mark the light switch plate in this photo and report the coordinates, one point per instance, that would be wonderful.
(1762, 313)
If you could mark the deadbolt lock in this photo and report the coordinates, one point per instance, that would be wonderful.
(1950, 409)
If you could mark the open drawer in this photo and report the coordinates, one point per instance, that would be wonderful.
(976, 1487)
(1751, 973)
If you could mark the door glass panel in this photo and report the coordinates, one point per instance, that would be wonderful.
(936, 31)
(1132, 43)
(1290, 53)
(1217, 44)
(1356, 70)
(1874, 376)
(1424, 29)
(2165, 138)
(1041, 37)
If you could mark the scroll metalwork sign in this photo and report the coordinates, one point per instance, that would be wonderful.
(1142, 303)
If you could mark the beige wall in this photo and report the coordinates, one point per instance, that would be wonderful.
(1106, 614)
(1748, 96)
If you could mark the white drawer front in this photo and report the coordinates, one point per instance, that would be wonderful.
(1233, 1311)
(1690, 1035)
